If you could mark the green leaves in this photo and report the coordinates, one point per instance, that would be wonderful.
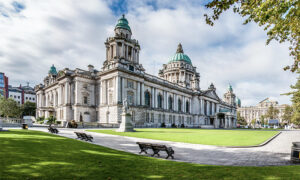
(9, 108)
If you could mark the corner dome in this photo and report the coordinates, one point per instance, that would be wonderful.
(52, 70)
(180, 56)
(238, 101)
(123, 23)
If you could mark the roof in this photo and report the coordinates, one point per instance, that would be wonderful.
(180, 56)
(123, 23)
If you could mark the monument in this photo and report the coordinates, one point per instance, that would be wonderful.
(126, 125)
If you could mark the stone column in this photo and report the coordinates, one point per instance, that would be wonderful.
(124, 94)
(117, 49)
(117, 89)
(67, 94)
(138, 94)
(155, 98)
(142, 94)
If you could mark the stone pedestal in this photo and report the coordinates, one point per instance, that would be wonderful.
(126, 125)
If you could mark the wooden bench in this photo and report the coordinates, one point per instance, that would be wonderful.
(53, 130)
(144, 147)
(156, 149)
(84, 136)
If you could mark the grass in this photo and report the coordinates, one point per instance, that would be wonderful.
(37, 155)
(200, 136)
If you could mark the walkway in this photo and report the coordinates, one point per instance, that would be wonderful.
(275, 153)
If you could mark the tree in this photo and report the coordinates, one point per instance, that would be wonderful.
(253, 122)
(272, 112)
(29, 108)
(280, 18)
(295, 101)
(287, 114)
(9, 108)
(262, 120)
(241, 120)
(51, 120)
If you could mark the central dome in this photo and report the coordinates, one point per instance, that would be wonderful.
(123, 23)
(180, 56)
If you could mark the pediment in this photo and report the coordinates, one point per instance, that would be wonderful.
(212, 94)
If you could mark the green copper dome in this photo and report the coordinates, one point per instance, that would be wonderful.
(53, 70)
(230, 88)
(180, 56)
(123, 23)
(238, 101)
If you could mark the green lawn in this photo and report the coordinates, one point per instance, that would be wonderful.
(37, 155)
(200, 136)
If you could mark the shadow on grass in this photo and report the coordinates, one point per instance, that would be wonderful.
(61, 158)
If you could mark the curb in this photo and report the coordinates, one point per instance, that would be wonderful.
(260, 145)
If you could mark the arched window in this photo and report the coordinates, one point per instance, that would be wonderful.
(147, 98)
(179, 105)
(170, 103)
(159, 100)
(187, 106)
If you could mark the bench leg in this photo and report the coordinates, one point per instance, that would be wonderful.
(143, 150)
(155, 152)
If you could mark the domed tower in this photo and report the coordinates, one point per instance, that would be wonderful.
(52, 70)
(122, 50)
(229, 96)
(238, 102)
(180, 70)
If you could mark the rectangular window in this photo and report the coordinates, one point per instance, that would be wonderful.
(152, 117)
(130, 84)
(85, 100)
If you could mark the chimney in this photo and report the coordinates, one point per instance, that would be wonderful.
(91, 68)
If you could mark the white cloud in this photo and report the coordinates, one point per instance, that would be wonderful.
(72, 33)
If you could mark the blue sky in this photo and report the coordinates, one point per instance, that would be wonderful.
(71, 33)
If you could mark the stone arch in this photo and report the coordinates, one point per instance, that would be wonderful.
(159, 100)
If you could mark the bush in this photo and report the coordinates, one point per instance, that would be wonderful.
(182, 126)
(173, 125)
(51, 120)
(72, 124)
(163, 125)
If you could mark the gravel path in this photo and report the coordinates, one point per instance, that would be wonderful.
(277, 152)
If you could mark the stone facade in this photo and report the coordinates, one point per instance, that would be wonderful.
(255, 112)
(174, 97)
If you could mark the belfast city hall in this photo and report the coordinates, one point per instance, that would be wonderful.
(172, 97)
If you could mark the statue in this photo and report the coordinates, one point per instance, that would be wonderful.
(126, 124)
(125, 105)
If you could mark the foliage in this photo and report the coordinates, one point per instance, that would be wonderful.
(272, 112)
(182, 126)
(281, 20)
(296, 101)
(9, 108)
(241, 120)
(29, 108)
(253, 122)
(262, 120)
(38, 155)
(51, 120)
(199, 136)
(173, 125)
(163, 125)
(287, 114)
(72, 124)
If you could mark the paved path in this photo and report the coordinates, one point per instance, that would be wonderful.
(277, 152)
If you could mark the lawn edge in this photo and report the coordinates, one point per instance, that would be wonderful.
(259, 145)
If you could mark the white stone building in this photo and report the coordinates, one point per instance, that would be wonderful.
(255, 112)
(174, 97)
